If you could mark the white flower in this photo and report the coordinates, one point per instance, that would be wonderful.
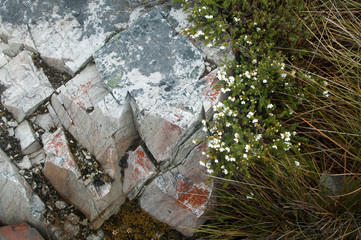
(250, 114)
(237, 19)
(274, 146)
(210, 171)
(284, 75)
(209, 45)
(194, 141)
(232, 99)
(216, 160)
(252, 86)
(248, 75)
(208, 16)
(255, 121)
(286, 84)
(258, 137)
(204, 129)
(270, 105)
(245, 156)
(243, 102)
(228, 124)
(254, 61)
(297, 163)
(250, 196)
(203, 153)
(247, 148)
(325, 93)
(204, 7)
(202, 163)
(222, 47)
(258, 29)
(225, 171)
(232, 159)
(204, 122)
(264, 81)
(221, 149)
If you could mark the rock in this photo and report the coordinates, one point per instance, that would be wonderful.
(70, 229)
(184, 192)
(37, 158)
(174, 14)
(157, 68)
(18, 202)
(44, 121)
(25, 163)
(27, 86)
(28, 142)
(4, 59)
(12, 124)
(11, 132)
(19, 231)
(107, 130)
(97, 203)
(139, 169)
(72, 218)
(66, 33)
(60, 205)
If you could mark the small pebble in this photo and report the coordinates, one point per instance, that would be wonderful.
(60, 204)
(11, 132)
(12, 124)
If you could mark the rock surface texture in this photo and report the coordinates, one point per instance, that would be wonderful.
(19, 231)
(122, 127)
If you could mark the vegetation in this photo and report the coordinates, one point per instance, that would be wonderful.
(284, 147)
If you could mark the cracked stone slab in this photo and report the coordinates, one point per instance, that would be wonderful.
(27, 87)
(139, 169)
(157, 69)
(96, 203)
(65, 33)
(18, 201)
(178, 18)
(184, 192)
(95, 119)
(28, 140)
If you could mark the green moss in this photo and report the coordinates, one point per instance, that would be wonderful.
(132, 222)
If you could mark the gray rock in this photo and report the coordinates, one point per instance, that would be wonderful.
(139, 169)
(28, 141)
(18, 202)
(106, 130)
(44, 121)
(157, 68)
(37, 157)
(11, 132)
(96, 203)
(66, 33)
(27, 86)
(60, 205)
(25, 163)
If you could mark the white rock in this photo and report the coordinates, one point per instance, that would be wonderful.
(44, 121)
(28, 142)
(25, 163)
(96, 203)
(27, 86)
(18, 202)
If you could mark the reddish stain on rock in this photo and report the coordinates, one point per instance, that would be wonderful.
(192, 196)
(58, 146)
(142, 160)
(19, 232)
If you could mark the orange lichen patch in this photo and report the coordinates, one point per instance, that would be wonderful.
(202, 146)
(142, 160)
(20, 231)
(192, 196)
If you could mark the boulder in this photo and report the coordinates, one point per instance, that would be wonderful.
(28, 141)
(97, 203)
(27, 86)
(18, 202)
(157, 69)
(139, 169)
(95, 119)
(19, 231)
(65, 33)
